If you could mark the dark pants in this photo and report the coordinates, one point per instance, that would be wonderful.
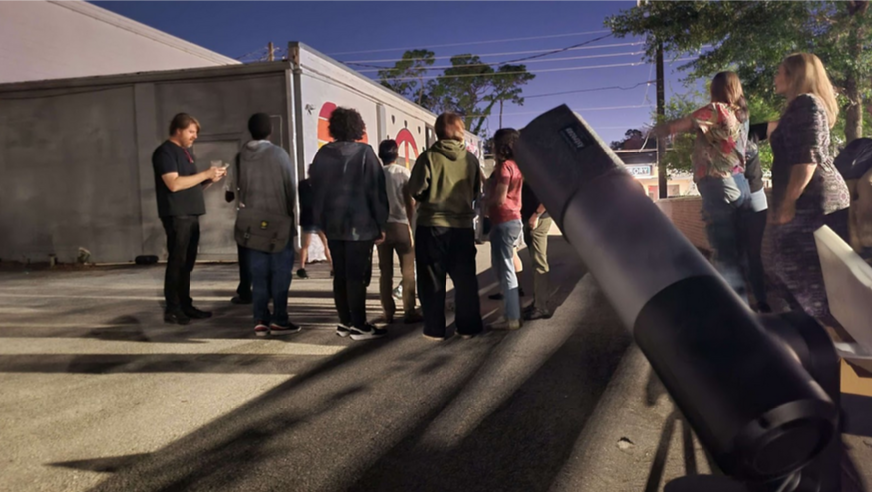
(441, 251)
(183, 237)
(352, 271)
(271, 276)
(751, 228)
(244, 288)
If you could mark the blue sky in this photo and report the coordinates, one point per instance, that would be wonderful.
(235, 29)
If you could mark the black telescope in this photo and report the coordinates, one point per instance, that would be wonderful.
(758, 412)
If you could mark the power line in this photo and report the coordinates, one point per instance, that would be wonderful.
(544, 70)
(442, 67)
(579, 45)
(509, 53)
(596, 89)
(531, 38)
(577, 110)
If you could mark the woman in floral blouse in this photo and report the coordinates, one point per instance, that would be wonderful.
(718, 170)
(807, 191)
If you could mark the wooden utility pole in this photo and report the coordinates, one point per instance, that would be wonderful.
(272, 51)
(662, 177)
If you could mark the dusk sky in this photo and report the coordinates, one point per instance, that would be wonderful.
(378, 32)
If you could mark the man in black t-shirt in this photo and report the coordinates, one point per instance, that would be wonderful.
(180, 204)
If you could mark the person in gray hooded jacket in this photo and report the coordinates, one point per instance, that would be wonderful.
(351, 206)
(266, 183)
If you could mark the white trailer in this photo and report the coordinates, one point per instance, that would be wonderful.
(75, 154)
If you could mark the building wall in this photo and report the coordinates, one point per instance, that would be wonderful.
(77, 171)
(685, 213)
(42, 40)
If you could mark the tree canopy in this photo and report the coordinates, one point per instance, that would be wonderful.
(468, 87)
(752, 38)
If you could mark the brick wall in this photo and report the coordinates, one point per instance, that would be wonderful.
(685, 214)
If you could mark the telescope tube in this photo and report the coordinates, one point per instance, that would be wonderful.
(753, 406)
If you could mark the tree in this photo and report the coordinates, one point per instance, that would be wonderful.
(634, 139)
(468, 87)
(463, 87)
(753, 37)
(506, 86)
(407, 76)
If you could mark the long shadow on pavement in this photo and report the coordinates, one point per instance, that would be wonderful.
(523, 444)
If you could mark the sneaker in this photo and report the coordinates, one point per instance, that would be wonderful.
(261, 329)
(195, 313)
(368, 332)
(177, 318)
(277, 329)
(511, 324)
(302, 273)
(535, 314)
(496, 297)
(433, 338)
(343, 330)
(240, 300)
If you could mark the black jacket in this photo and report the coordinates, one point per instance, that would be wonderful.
(350, 201)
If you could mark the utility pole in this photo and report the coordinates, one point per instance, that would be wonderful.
(272, 51)
(661, 114)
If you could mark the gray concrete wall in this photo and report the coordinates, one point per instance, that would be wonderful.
(76, 163)
(69, 176)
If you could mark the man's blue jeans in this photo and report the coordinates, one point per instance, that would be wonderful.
(271, 279)
(722, 201)
(503, 238)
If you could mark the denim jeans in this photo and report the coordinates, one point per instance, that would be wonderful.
(271, 279)
(722, 201)
(503, 238)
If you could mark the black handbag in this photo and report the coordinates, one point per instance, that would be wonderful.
(262, 231)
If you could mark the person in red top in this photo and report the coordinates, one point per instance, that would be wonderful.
(504, 210)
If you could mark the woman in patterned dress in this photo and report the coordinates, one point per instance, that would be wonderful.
(718, 170)
(807, 191)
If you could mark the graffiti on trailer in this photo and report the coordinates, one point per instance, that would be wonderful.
(324, 125)
(473, 147)
(405, 141)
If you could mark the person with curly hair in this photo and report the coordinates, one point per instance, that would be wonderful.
(350, 205)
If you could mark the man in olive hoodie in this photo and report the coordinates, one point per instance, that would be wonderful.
(445, 181)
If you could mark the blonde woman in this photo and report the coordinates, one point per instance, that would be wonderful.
(718, 170)
(807, 191)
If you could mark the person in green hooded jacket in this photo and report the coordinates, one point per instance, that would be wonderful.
(445, 181)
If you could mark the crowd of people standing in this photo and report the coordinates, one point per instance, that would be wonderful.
(807, 191)
(357, 201)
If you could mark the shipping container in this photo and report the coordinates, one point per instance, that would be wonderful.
(76, 153)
